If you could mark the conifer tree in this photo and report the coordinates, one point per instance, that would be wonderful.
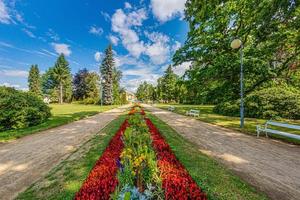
(34, 80)
(106, 70)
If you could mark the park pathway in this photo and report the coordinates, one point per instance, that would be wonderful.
(25, 160)
(271, 166)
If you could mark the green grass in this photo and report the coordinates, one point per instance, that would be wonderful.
(207, 115)
(61, 114)
(65, 180)
(218, 182)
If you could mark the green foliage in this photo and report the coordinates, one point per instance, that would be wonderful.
(167, 85)
(61, 74)
(106, 69)
(117, 91)
(85, 87)
(145, 92)
(21, 109)
(268, 103)
(269, 30)
(34, 80)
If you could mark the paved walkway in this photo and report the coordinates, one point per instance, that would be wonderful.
(271, 166)
(25, 160)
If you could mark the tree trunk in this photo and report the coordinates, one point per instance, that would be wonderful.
(61, 94)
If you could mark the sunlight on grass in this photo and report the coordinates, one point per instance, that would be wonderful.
(207, 115)
(61, 114)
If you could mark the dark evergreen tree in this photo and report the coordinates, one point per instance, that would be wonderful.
(80, 85)
(34, 80)
(106, 70)
(62, 76)
(117, 94)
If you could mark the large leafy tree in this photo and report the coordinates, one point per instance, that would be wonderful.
(146, 92)
(269, 30)
(106, 70)
(34, 80)
(62, 76)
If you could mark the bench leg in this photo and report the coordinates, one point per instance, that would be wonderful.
(266, 134)
(257, 135)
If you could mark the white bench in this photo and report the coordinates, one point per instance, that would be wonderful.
(194, 113)
(264, 128)
(171, 108)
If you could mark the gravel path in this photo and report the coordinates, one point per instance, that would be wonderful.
(25, 160)
(271, 166)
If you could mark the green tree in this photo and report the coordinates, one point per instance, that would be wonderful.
(269, 30)
(106, 70)
(168, 84)
(49, 85)
(62, 76)
(117, 95)
(92, 87)
(34, 80)
(80, 85)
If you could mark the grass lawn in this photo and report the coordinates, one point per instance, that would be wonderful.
(61, 114)
(207, 115)
(65, 180)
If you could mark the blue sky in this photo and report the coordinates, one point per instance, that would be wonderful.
(144, 34)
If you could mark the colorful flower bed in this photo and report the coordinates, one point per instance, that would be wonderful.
(139, 164)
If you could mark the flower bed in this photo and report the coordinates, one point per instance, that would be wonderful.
(177, 183)
(139, 164)
(102, 180)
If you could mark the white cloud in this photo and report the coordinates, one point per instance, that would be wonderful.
(14, 73)
(123, 25)
(98, 56)
(113, 39)
(165, 10)
(176, 46)
(10, 85)
(62, 48)
(96, 30)
(127, 5)
(158, 50)
(106, 16)
(28, 32)
(5, 18)
(180, 69)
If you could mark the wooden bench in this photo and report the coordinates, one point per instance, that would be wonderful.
(264, 128)
(194, 113)
(171, 108)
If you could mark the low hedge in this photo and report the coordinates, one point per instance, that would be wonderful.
(20, 109)
(268, 103)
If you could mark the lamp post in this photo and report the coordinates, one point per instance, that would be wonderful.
(238, 44)
(102, 81)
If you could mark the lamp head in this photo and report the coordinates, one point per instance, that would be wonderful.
(236, 43)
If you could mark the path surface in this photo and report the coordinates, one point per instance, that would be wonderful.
(25, 160)
(271, 166)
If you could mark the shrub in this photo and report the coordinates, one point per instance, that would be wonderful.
(268, 103)
(21, 109)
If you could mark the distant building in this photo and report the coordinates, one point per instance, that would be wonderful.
(130, 97)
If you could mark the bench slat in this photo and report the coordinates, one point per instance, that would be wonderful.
(282, 133)
(291, 126)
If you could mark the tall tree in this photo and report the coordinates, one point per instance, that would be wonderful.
(62, 75)
(106, 70)
(117, 94)
(168, 84)
(34, 80)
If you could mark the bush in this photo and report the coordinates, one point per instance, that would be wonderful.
(21, 109)
(267, 104)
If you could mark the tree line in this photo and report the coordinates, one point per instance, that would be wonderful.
(58, 83)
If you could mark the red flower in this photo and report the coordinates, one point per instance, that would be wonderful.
(102, 180)
(177, 183)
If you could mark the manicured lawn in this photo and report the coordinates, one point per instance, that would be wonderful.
(66, 179)
(61, 114)
(207, 115)
(218, 182)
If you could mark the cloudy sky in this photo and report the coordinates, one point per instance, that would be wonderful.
(144, 34)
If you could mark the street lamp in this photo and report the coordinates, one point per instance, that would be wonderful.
(102, 81)
(238, 44)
